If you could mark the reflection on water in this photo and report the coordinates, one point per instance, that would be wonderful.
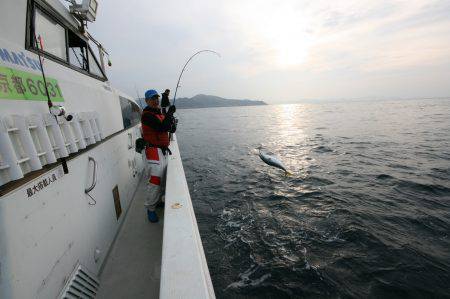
(367, 211)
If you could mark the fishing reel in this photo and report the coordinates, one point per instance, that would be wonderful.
(173, 127)
(58, 110)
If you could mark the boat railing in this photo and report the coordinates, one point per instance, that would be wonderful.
(184, 270)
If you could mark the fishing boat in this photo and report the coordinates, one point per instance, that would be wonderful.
(72, 186)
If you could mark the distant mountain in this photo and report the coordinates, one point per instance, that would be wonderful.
(207, 101)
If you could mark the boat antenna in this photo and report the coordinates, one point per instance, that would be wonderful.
(184, 67)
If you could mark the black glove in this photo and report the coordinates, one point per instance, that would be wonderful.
(140, 145)
(173, 127)
(171, 110)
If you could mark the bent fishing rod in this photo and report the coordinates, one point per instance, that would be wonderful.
(184, 67)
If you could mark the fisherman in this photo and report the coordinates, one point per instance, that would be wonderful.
(155, 131)
(165, 102)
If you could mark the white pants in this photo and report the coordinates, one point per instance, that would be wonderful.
(156, 176)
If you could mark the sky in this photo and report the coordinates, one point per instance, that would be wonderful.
(279, 51)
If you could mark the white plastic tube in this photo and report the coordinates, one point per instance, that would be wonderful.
(26, 140)
(70, 138)
(94, 127)
(8, 154)
(44, 139)
(50, 121)
(78, 132)
(86, 127)
(99, 126)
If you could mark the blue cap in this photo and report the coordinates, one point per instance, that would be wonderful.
(151, 93)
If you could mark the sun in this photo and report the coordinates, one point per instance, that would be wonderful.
(291, 48)
(278, 32)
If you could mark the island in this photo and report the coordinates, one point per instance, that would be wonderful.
(209, 101)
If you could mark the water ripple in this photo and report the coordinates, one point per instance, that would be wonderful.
(365, 214)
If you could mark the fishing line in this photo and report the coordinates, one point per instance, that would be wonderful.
(184, 67)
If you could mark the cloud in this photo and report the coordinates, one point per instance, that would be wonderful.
(361, 35)
(270, 48)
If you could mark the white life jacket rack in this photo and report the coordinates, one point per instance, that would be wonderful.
(29, 143)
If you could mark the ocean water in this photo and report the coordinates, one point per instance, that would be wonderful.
(366, 212)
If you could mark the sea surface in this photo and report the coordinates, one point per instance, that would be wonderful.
(366, 212)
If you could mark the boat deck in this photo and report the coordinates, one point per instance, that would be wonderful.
(133, 267)
(141, 265)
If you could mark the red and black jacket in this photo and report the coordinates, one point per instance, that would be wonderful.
(155, 127)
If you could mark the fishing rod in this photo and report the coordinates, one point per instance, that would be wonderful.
(39, 46)
(55, 110)
(184, 67)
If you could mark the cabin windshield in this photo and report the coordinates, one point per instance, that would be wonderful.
(60, 41)
(93, 66)
(50, 34)
(78, 52)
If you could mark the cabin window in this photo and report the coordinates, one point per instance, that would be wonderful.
(60, 40)
(77, 51)
(131, 113)
(52, 35)
(94, 68)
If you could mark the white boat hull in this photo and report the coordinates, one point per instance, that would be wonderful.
(44, 236)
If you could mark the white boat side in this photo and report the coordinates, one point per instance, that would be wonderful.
(51, 229)
(184, 271)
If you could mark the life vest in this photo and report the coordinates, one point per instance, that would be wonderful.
(153, 137)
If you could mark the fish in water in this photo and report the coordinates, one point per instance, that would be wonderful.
(273, 161)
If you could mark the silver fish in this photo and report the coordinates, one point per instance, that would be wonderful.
(272, 161)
